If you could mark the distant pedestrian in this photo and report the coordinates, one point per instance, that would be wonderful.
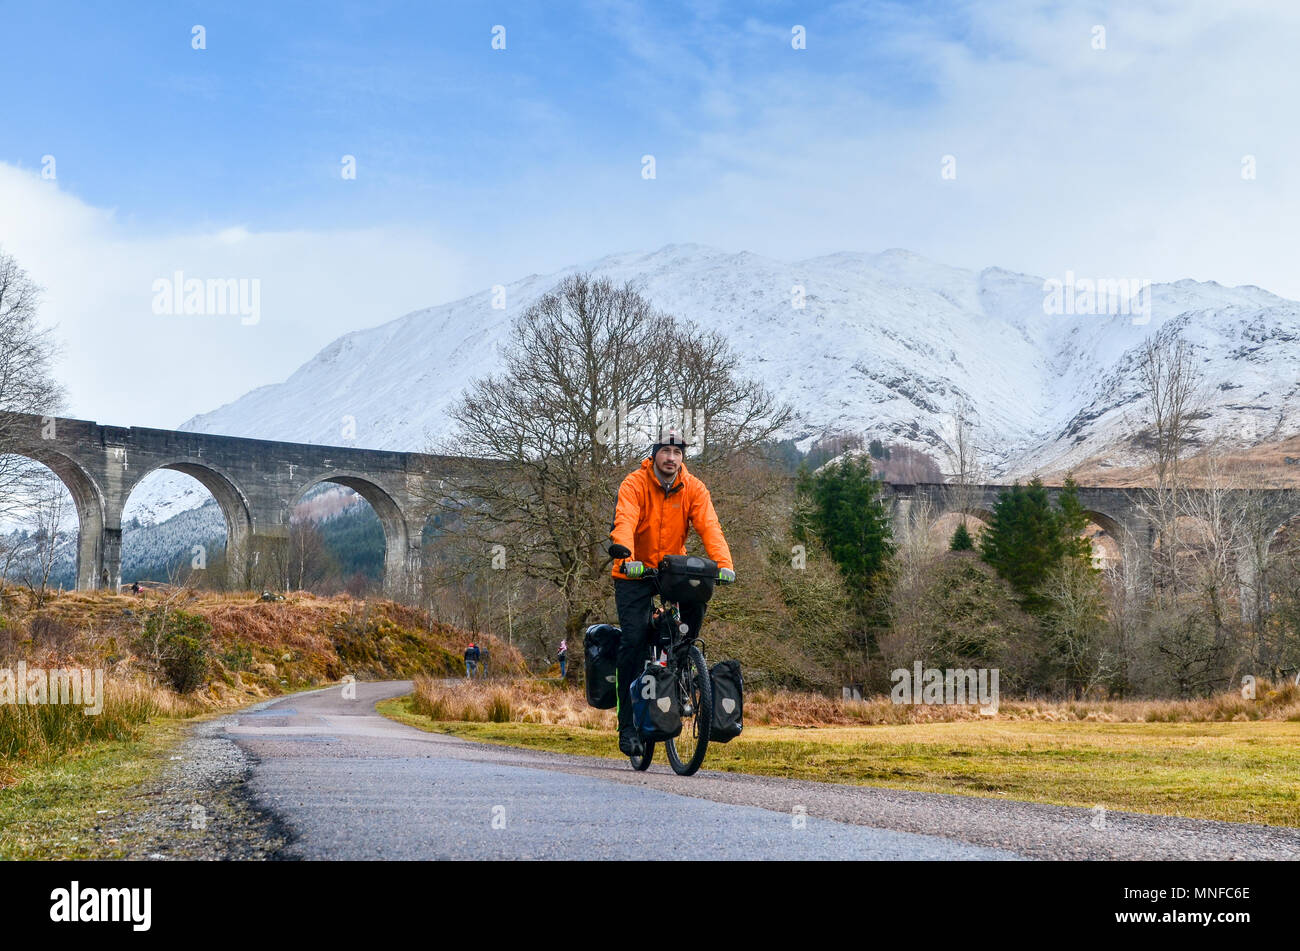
(472, 654)
(135, 587)
(564, 658)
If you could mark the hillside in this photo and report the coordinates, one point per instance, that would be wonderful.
(259, 648)
(885, 344)
(1271, 465)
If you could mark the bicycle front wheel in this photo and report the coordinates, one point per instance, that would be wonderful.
(695, 690)
(642, 763)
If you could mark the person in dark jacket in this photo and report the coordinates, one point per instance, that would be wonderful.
(471, 660)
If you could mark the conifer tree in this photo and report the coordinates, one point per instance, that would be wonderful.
(845, 511)
(1074, 521)
(961, 539)
(1028, 537)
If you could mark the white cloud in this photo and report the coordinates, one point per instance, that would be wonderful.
(1124, 161)
(126, 365)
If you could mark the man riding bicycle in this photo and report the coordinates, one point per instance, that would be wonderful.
(657, 504)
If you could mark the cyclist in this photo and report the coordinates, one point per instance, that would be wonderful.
(657, 504)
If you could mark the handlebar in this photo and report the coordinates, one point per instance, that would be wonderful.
(649, 572)
(618, 551)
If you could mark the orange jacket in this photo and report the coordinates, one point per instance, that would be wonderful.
(652, 523)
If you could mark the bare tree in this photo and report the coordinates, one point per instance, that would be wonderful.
(728, 412)
(911, 636)
(1277, 643)
(27, 384)
(1212, 539)
(1171, 400)
(309, 561)
(1128, 607)
(1257, 526)
(1075, 624)
(47, 516)
(1218, 530)
(1234, 561)
(966, 469)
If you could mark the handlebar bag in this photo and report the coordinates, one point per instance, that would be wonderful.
(656, 713)
(687, 578)
(728, 701)
(600, 650)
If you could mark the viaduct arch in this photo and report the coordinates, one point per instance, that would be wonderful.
(256, 483)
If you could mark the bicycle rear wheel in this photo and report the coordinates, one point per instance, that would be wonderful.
(686, 750)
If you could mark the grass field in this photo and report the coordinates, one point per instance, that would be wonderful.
(1234, 771)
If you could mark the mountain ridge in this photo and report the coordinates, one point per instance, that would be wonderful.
(887, 344)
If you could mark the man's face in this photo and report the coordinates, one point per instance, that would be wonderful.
(668, 460)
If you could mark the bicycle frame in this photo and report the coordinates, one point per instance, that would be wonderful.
(667, 618)
(667, 634)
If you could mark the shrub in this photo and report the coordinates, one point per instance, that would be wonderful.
(239, 657)
(180, 644)
(957, 612)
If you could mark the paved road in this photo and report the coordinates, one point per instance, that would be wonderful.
(344, 782)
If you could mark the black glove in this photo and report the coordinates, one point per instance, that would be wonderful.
(618, 551)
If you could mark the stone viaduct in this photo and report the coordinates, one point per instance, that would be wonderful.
(1118, 512)
(256, 482)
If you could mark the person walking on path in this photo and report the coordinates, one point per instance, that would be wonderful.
(471, 660)
(564, 658)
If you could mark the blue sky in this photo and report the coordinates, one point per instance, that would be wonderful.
(252, 129)
(477, 166)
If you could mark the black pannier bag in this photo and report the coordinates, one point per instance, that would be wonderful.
(656, 713)
(728, 701)
(600, 649)
(687, 579)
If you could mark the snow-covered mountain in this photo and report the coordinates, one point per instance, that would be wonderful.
(885, 344)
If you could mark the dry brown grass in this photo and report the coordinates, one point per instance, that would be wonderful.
(41, 731)
(1261, 466)
(512, 701)
(532, 701)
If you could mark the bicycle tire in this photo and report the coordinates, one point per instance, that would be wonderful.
(642, 763)
(699, 723)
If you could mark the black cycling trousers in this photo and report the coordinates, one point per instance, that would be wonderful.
(635, 602)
